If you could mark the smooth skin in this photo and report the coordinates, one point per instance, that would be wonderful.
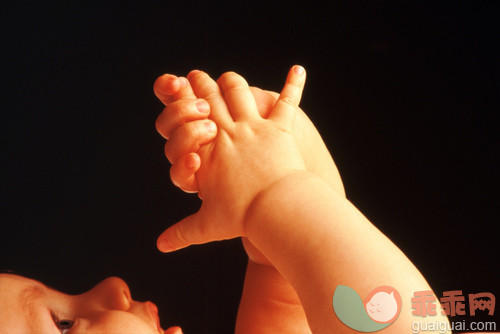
(305, 227)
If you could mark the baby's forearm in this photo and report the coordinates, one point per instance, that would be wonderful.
(318, 240)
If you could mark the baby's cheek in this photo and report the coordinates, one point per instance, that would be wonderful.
(117, 322)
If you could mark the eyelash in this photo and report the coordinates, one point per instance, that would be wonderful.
(64, 325)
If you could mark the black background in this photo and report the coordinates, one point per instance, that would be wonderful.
(405, 96)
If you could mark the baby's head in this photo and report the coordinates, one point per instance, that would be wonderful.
(29, 307)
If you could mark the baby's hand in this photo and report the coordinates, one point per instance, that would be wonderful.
(184, 122)
(314, 152)
(249, 154)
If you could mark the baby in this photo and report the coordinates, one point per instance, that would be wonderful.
(30, 307)
(260, 180)
(265, 175)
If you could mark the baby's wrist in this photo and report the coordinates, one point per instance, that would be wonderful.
(276, 197)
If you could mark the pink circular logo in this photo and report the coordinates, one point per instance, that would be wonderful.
(383, 304)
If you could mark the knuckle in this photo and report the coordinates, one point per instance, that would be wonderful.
(174, 116)
(228, 77)
(195, 74)
(187, 138)
(212, 96)
(203, 229)
(191, 131)
(169, 152)
(177, 110)
(232, 81)
(175, 177)
(295, 82)
(183, 181)
(288, 100)
(159, 128)
(180, 235)
(161, 123)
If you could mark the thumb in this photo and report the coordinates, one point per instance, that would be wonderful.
(189, 231)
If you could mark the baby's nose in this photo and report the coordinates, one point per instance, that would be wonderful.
(114, 293)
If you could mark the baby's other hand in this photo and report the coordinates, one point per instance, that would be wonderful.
(184, 123)
(183, 153)
(248, 154)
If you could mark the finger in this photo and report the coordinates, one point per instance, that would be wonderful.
(189, 137)
(173, 330)
(239, 99)
(182, 172)
(180, 112)
(206, 88)
(165, 86)
(199, 228)
(185, 90)
(189, 231)
(169, 88)
(290, 96)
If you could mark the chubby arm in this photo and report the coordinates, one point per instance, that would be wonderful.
(319, 240)
(269, 304)
(314, 238)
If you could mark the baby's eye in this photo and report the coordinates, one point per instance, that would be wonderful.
(64, 325)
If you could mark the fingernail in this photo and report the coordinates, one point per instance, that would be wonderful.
(299, 70)
(210, 126)
(202, 106)
(170, 82)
